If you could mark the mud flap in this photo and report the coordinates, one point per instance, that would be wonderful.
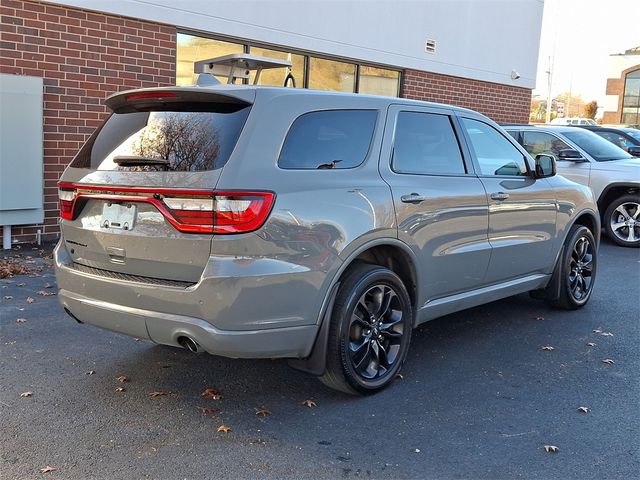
(316, 362)
(552, 291)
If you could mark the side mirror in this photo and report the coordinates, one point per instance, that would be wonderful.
(634, 150)
(571, 155)
(545, 166)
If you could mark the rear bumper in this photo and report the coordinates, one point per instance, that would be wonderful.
(166, 329)
(214, 313)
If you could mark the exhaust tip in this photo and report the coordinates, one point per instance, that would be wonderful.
(68, 312)
(189, 344)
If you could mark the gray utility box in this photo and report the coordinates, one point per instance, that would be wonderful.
(21, 175)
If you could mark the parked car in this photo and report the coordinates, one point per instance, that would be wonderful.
(626, 138)
(586, 158)
(321, 227)
(573, 121)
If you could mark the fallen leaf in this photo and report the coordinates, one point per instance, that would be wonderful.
(21, 284)
(608, 361)
(211, 393)
(597, 330)
(551, 449)
(122, 379)
(309, 403)
(157, 394)
(30, 300)
(90, 372)
(583, 409)
(263, 411)
(21, 320)
(548, 348)
(207, 409)
(224, 429)
(48, 469)
(606, 334)
(48, 285)
(8, 297)
(26, 394)
(121, 389)
(46, 294)
(591, 344)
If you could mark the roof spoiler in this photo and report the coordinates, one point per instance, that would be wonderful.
(142, 99)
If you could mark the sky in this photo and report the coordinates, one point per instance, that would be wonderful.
(580, 35)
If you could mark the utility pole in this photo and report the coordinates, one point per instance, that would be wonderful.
(549, 78)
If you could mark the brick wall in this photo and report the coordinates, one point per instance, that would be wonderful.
(83, 57)
(501, 103)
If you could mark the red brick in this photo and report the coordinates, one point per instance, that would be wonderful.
(63, 45)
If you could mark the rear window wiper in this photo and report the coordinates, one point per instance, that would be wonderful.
(137, 161)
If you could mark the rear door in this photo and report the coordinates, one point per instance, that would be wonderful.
(441, 206)
(522, 209)
(139, 198)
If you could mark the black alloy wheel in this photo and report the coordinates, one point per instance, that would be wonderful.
(370, 330)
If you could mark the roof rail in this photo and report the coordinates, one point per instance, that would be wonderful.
(239, 65)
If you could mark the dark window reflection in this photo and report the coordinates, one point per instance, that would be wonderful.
(188, 141)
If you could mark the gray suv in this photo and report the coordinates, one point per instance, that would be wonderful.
(320, 227)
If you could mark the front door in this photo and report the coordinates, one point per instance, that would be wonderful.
(522, 209)
(549, 144)
(440, 204)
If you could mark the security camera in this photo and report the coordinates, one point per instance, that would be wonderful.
(514, 75)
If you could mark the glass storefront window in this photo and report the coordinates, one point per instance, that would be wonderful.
(331, 75)
(275, 77)
(323, 74)
(631, 99)
(192, 49)
(379, 81)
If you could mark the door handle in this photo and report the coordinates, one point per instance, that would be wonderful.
(412, 198)
(499, 196)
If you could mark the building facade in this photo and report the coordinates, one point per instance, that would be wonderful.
(622, 103)
(480, 55)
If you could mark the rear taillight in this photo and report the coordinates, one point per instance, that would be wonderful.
(224, 212)
(67, 196)
(188, 211)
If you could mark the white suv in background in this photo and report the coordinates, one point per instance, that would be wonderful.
(584, 157)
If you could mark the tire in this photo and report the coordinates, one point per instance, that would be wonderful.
(622, 221)
(367, 343)
(578, 266)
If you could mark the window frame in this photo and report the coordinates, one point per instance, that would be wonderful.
(469, 145)
(376, 127)
(429, 111)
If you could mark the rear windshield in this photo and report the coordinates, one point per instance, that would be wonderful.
(600, 149)
(179, 140)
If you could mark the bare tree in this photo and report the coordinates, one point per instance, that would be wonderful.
(188, 141)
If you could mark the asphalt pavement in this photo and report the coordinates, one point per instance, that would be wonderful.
(479, 397)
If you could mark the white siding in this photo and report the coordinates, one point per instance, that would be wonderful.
(481, 39)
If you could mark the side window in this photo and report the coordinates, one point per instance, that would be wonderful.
(328, 139)
(514, 134)
(425, 143)
(539, 142)
(615, 138)
(495, 154)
